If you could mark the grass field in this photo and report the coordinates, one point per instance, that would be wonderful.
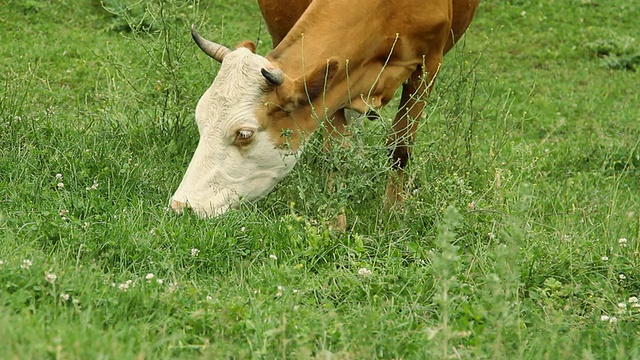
(520, 237)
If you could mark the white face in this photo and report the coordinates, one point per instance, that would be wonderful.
(236, 160)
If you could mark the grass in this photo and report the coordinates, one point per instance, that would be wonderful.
(525, 182)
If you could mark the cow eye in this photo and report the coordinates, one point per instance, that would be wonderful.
(243, 136)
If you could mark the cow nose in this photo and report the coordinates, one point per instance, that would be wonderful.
(178, 206)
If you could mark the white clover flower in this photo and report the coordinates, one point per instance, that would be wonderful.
(622, 305)
(159, 281)
(295, 291)
(26, 263)
(622, 276)
(149, 276)
(243, 229)
(75, 301)
(195, 252)
(64, 212)
(364, 272)
(59, 177)
(209, 297)
(1, 262)
(173, 286)
(93, 187)
(605, 258)
(633, 300)
(280, 290)
(613, 320)
(604, 318)
(523, 13)
(124, 286)
(64, 296)
(622, 242)
(60, 185)
(491, 235)
(635, 305)
(50, 277)
(273, 257)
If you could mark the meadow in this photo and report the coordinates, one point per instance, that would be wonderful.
(519, 237)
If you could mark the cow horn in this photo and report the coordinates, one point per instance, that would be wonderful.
(274, 77)
(216, 51)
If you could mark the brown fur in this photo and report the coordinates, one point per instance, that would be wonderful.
(341, 54)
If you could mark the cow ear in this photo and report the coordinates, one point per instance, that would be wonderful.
(313, 84)
(248, 44)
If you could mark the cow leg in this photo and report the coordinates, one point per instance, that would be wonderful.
(336, 134)
(405, 125)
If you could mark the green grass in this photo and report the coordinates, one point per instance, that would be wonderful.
(526, 178)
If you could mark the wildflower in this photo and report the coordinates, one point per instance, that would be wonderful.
(26, 264)
(635, 305)
(622, 242)
(209, 297)
(471, 205)
(75, 302)
(64, 296)
(125, 285)
(93, 187)
(63, 212)
(295, 291)
(604, 318)
(173, 287)
(280, 290)
(195, 252)
(1, 262)
(491, 235)
(622, 276)
(149, 277)
(566, 238)
(58, 177)
(633, 300)
(243, 229)
(523, 13)
(50, 277)
(273, 257)
(622, 305)
(159, 281)
(60, 185)
(364, 272)
(605, 258)
(613, 320)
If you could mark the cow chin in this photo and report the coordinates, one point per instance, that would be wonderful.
(208, 198)
(217, 203)
(205, 206)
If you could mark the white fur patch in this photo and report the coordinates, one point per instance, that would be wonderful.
(221, 174)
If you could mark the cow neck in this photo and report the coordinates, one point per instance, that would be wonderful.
(319, 36)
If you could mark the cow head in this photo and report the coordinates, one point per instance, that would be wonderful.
(251, 121)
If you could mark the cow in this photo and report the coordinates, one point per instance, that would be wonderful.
(328, 56)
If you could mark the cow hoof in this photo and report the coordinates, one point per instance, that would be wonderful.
(339, 222)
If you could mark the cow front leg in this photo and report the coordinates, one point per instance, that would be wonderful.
(336, 134)
(405, 125)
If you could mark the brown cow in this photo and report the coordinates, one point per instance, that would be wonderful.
(329, 55)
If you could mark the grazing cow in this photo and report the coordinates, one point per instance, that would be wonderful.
(329, 55)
